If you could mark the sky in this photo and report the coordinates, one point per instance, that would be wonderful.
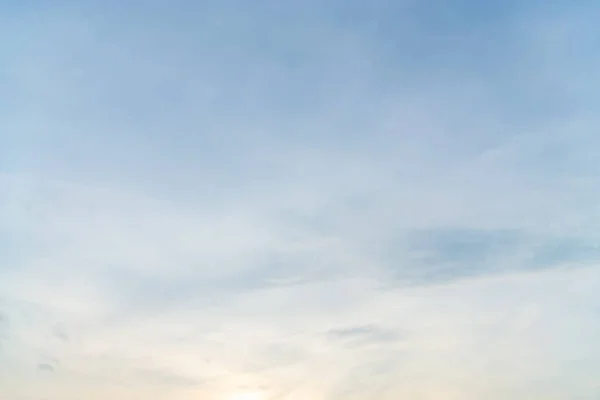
(290, 200)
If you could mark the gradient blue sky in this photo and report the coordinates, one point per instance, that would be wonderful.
(308, 199)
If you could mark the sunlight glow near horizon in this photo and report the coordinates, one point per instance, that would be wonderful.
(255, 395)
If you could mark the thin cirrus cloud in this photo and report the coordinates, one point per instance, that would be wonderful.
(321, 200)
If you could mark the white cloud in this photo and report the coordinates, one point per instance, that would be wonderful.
(92, 253)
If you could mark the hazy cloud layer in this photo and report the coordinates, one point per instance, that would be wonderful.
(314, 200)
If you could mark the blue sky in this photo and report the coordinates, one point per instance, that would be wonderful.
(299, 200)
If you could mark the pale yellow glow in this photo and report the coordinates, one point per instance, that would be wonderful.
(247, 396)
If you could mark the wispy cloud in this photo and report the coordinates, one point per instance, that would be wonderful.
(332, 200)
